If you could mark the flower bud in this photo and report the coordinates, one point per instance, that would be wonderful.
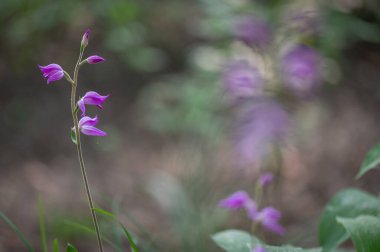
(84, 42)
(94, 59)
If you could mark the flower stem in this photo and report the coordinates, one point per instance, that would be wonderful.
(80, 154)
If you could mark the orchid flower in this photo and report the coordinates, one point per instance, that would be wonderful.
(52, 72)
(91, 98)
(87, 126)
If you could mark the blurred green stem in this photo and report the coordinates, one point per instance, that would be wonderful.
(79, 150)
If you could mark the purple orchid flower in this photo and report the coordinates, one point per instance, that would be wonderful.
(238, 200)
(94, 59)
(241, 80)
(52, 72)
(301, 69)
(253, 31)
(87, 126)
(259, 248)
(261, 124)
(91, 98)
(266, 178)
(269, 217)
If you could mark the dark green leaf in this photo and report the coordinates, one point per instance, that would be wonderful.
(364, 232)
(348, 203)
(71, 248)
(371, 161)
(18, 232)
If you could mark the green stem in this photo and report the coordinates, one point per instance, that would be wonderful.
(80, 154)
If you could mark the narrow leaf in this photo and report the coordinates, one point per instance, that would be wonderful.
(104, 212)
(42, 224)
(348, 203)
(371, 161)
(18, 232)
(364, 232)
(130, 239)
(55, 245)
(71, 248)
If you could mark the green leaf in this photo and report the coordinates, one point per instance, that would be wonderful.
(348, 203)
(364, 232)
(17, 231)
(42, 224)
(104, 212)
(73, 136)
(371, 161)
(240, 241)
(71, 248)
(55, 245)
(130, 239)
(235, 241)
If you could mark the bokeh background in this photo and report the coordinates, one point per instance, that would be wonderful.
(169, 155)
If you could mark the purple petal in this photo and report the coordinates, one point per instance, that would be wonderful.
(235, 201)
(259, 248)
(269, 218)
(88, 121)
(81, 106)
(49, 68)
(54, 76)
(253, 31)
(251, 209)
(266, 178)
(241, 80)
(93, 98)
(92, 131)
(94, 59)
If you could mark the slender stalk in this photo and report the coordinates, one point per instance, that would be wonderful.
(79, 150)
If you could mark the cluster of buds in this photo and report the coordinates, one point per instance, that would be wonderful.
(54, 72)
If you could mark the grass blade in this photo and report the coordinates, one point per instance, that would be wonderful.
(71, 248)
(89, 231)
(42, 224)
(104, 212)
(55, 245)
(130, 239)
(18, 232)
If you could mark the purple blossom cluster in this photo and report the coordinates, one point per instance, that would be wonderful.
(268, 217)
(54, 72)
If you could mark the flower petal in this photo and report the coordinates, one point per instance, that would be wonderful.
(88, 121)
(94, 59)
(81, 106)
(236, 200)
(92, 131)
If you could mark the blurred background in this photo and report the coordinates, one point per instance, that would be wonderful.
(170, 156)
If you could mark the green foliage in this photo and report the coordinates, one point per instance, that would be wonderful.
(55, 245)
(240, 241)
(18, 232)
(348, 203)
(371, 161)
(126, 232)
(42, 224)
(364, 232)
(71, 248)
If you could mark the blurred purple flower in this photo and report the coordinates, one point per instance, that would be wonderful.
(91, 98)
(263, 123)
(87, 126)
(85, 37)
(253, 31)
(52, 72)
(238, 200)
(269, 217)
(240, 80)
(301, 69)
(94, 59)
(259, 248)
(266, 178)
